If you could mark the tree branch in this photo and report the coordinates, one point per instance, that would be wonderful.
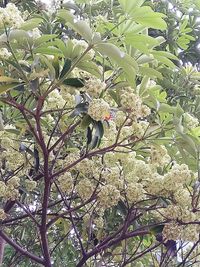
(19, 249)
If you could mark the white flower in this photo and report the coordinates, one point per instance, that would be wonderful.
(190, 121)
(2, 214)
(172, 231)
(65, 182)
(108, 196)
(4, 53)
(54, 101)
(30, 185)
(10, 16)
(36, 33)
(85, 189)
(135, 192)
(99, 109)
(159, 156)
(94, 86)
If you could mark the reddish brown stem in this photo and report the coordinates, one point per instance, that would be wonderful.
(20, 249)
(115, 241)
(2, 246)
(43, 228)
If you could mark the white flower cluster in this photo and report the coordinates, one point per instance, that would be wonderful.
(176, 212)
(139, 128)
(54, 101)
(10, 16)
(99, 222)
(85, 189)
(155, 185)
(132, 103)
(94, 86)
(174, 231)
(9, 190)
(190, 121)
(68, 97)
(65, 182)
(110, 132)
(179, 173)
(108, 196)
(159, 156)
(30, 185)
(2, 214)
(112, 176)
(120, 118)
(10, 155)
(170, 183)
(182, 197)
(143, 171)
(73, 156)
(4, 53)
(81, 45)
(35, 33)
(135, 192)
(87, 168)
(196, 89)
(99, 109)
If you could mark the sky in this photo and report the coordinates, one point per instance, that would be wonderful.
(48, 2)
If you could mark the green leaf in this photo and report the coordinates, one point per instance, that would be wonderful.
(66, 67)
(188, 144)
(141, 41)
(157, 229)
(31, 24)
(164, 54)
(150, 72)
(36, 159)
(51, 50)
(114, 96)
(144, 85)
(195, 75)
(128, 5)
(166, 108)
(76, 82)
(79, 26)
(61, 46)
(49, 65)
(56, 65)
(44, 38)
(95, 142)
(165, 61)
(6, 87)
(116, 54)
(90, 67)
(19, 35)
(86, 121)
(123, 60)
(7, 79)
(69, 5)
(143, 59)
(147, 17)
(183, 25)
(195, 131)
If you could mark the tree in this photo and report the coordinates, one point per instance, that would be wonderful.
(99, 135)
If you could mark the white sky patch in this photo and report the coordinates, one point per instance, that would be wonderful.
(198, 46)
(50, 2)
(47, 2)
